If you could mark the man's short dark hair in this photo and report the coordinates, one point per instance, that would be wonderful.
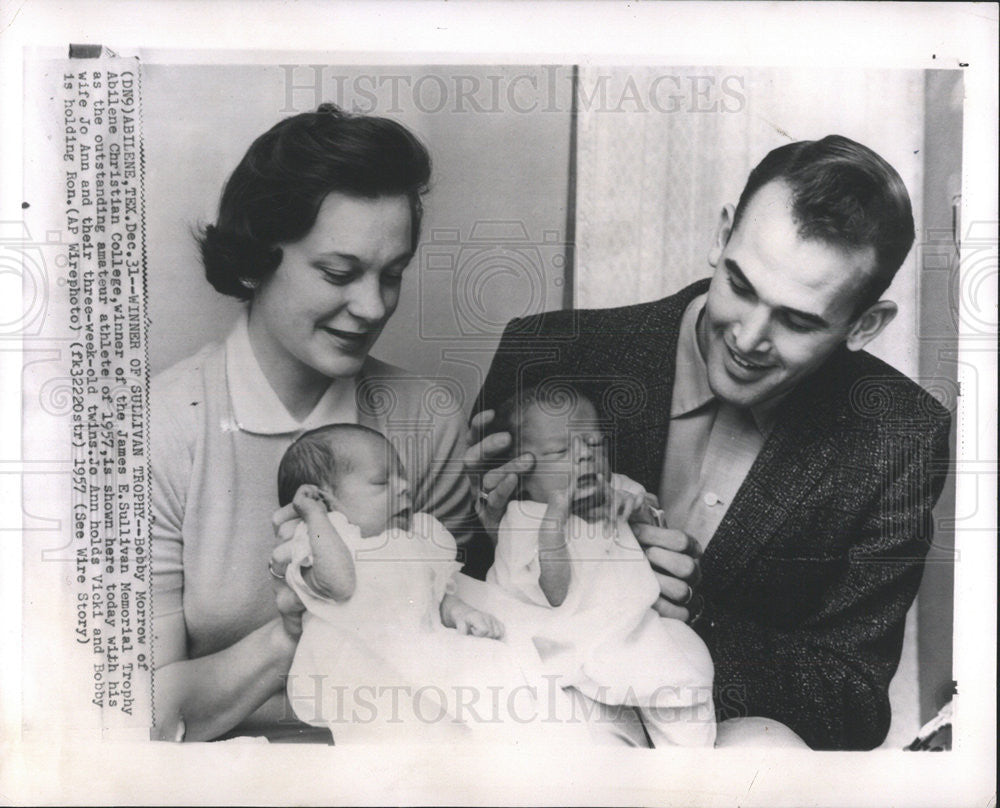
(273, 196)
(843, 194)
(315, 458)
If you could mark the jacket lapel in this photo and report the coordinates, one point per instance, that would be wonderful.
(649, 358)
(800, 448)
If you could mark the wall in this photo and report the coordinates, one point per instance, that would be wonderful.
(494, 229)
(938, 258)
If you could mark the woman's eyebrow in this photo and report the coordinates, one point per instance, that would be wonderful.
(337, 254)
(356, 261)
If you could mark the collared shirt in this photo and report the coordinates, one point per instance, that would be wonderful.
(217, 434)
(711, 445)
(255, 405)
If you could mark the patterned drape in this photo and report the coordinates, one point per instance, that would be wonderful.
(661, 150)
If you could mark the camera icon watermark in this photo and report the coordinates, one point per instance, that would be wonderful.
(960, 267)
(27, 258)
(976, 301)
(495, 273)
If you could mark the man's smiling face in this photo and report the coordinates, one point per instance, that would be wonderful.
(778, 304)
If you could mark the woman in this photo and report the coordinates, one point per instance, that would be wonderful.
(316, 226)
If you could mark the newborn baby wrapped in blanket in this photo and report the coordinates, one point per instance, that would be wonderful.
(580, 588)
(388, 652)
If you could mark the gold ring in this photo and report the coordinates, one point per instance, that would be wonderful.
(270, 569)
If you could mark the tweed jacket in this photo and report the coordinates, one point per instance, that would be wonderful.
(809, 576)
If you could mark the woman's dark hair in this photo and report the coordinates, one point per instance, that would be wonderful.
(846, 195)
(274, 194)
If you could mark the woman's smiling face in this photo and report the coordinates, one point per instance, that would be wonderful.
(322, 309)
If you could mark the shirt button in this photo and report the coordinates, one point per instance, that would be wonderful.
(710, 499)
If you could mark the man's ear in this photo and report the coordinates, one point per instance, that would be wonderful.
(870, 324)
(723, 231)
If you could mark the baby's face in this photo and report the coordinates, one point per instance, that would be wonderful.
(374, 493)
(569, 450)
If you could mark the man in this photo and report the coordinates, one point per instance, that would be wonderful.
(799, 468)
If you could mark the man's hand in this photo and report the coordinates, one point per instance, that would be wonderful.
(496, 486)
(673, 556)
(285, 521)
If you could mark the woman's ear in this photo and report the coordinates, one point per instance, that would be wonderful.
(723, 230)
(870, 324)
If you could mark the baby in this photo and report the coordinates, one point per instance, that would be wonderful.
(378, 651)
(565, 549)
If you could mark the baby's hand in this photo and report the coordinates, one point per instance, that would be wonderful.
(624, 505)
(457, 614)
(634, 503)
(559, 505)
(479, 624)
(625, 500)
(648, 513)
(309, 500)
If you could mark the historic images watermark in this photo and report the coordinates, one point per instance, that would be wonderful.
(548, 89)
(323, 698)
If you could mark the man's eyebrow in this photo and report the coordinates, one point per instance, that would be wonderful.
(734, 269)
(815, 319)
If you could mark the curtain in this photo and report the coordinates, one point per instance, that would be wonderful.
(661, 150)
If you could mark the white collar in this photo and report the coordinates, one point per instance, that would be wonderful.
(691, 388)
(256, 407)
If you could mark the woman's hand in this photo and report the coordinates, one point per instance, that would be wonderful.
(285, 520)
(673, 555)
(494, 487)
